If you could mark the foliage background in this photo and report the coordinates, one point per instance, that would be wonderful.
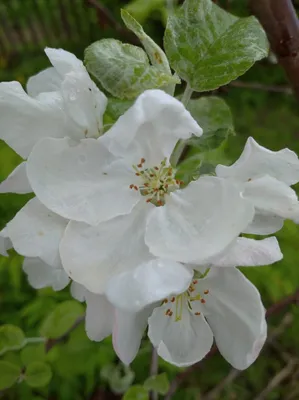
(86, 370)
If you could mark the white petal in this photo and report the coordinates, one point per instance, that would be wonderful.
(127, 333)
(92, 255)
(26, 120)
(78, 291)
(198, 222)
(99, 317)
(5, 242)
(64, 61)
(84, 102)
(264, 223)
(47, 80)
(272, 196)
(249, 252)
(257, 161)
(150, 282)
(17, 181)
(183, 342)
(79, 182)
(36, 232)
(41, 275)
(236, 315)
(151, 128)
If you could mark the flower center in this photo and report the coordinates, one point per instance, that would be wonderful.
(178, 302)
(156, 182)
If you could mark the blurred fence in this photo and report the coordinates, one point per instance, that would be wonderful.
(29, 25)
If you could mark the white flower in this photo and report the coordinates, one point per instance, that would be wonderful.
(62, 101)
(223, 305)
(41, 275)
(265, 177)
(124, 201)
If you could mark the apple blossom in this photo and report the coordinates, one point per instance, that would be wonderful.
(121, 195)
(5, 243)
(62, 101)
(265, 177)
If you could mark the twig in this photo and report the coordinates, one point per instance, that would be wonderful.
(154, 371)
(280, 22)
(50, 343)
(261, 86)
(274, 309)
(282, 375)
(106, 18)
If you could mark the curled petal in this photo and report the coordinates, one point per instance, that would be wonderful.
(264, 223)
(256, 161)
(151, 128)
(5, 242)
(47, 80)
(249, 252)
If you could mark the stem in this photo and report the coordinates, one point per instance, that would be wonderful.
(280, 22)
(187, 95)
(170, 6)
(154, 371)
(23, 344)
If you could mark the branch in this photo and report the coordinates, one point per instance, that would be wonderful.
(274, 309)
(280, 22)
(50, 343)
(261, 86)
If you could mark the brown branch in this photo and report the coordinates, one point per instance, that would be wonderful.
(280, 22)
(50, 343)
(261, 86)
(106, 18)
(274, 309)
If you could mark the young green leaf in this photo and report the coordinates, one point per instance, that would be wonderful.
(209, 47)
(11, 337)
(136, 392)
(214, 116)
(123, 69)
(9, 373)
(158, 383)
(38, 374)
(155, 53)
(61, 319)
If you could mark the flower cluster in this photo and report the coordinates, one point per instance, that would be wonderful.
(142, 248)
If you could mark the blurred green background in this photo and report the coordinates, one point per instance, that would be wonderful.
(86, 370)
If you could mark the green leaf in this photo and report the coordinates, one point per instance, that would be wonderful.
(9, 373)
(33, 352)
(158, 383)
(11, 337)
(61, 319)
(123, 70)
(38, 374)
(214, 116)
(136, 392)
(115, 108)
(208, 47)
(155, 53)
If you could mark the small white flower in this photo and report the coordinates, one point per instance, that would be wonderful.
(265, 177)
(124, 200)
(223, 305)
(62, 101)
